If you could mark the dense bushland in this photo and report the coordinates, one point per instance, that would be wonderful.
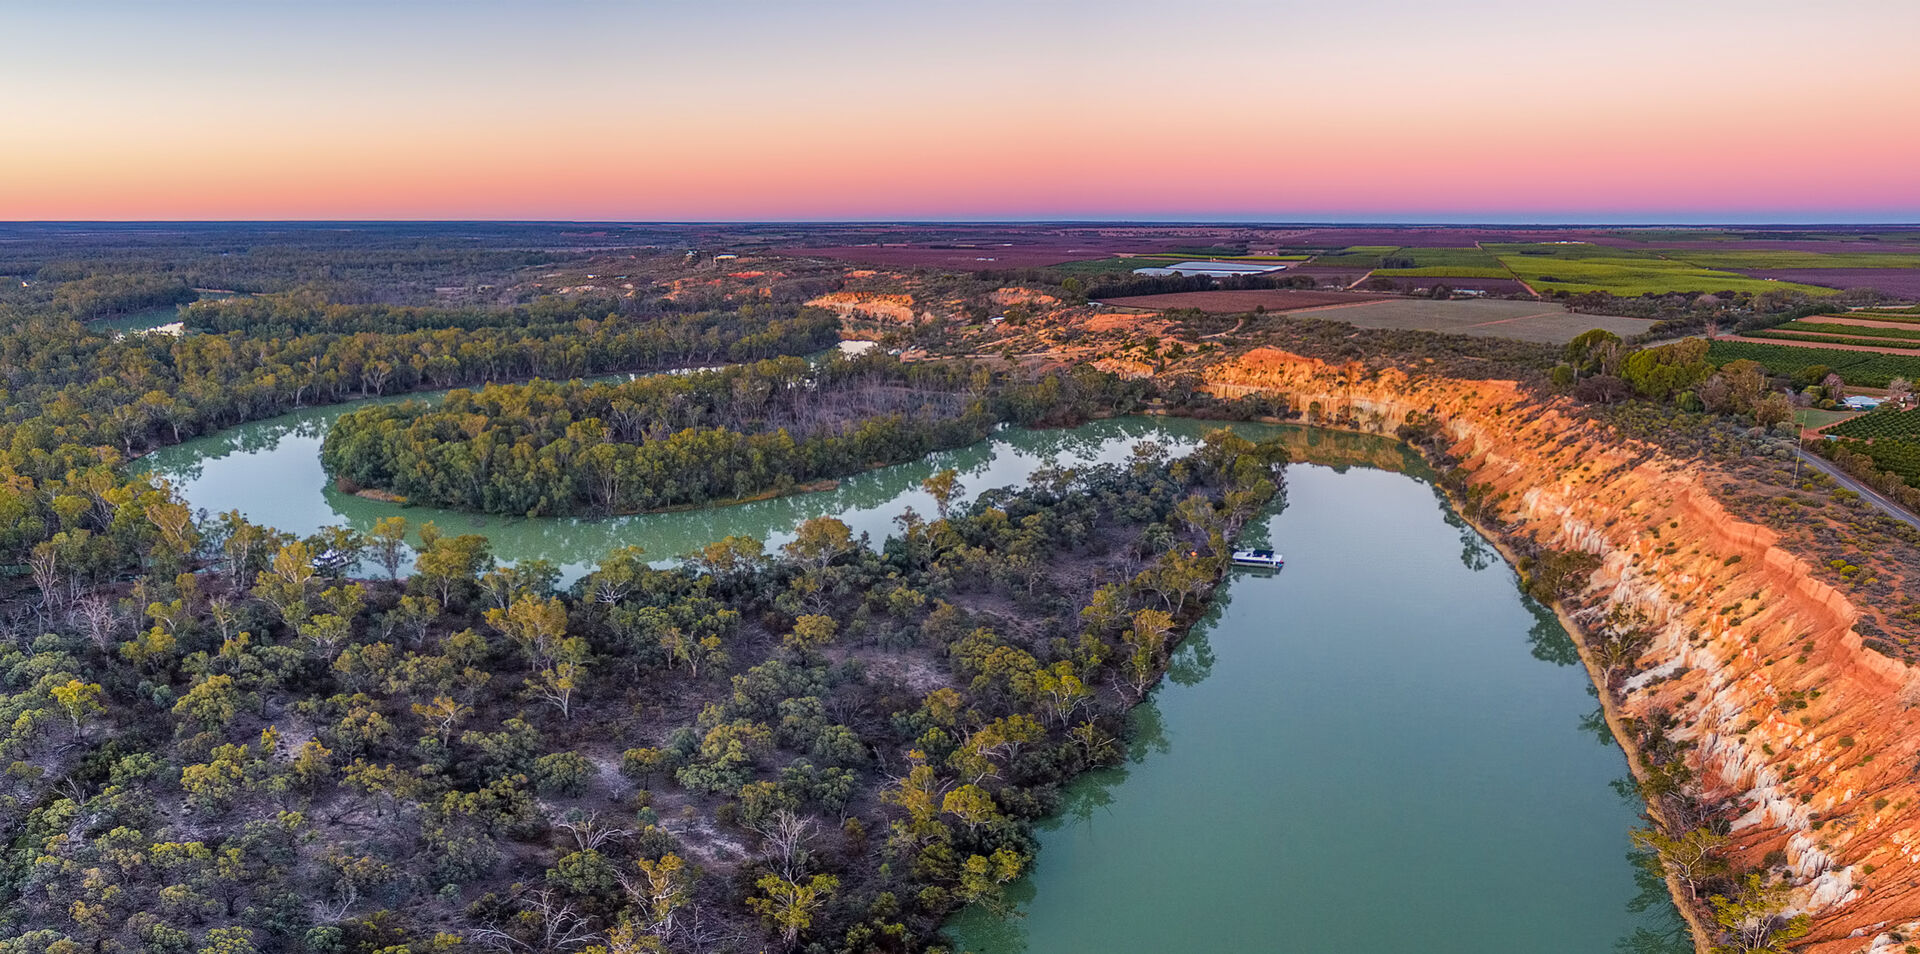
(687, 439)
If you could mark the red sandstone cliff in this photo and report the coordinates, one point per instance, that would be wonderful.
(1835, 784)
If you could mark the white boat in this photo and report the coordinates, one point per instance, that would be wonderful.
(1260, 558)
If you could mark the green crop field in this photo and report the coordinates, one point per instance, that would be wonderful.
(1881, 424)
(1751, 259)
(1101, 266)
(1560, 251)
(1865, 369)
(1631, 277)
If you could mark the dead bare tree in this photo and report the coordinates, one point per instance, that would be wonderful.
(543, 924)
(588, 831)
(95, 614)
(787, 836)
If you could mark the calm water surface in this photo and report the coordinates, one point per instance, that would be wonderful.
(1383, 747)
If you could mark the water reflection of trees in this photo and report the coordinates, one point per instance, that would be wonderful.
(1662, 930)
(869, 500)
(1548, 639)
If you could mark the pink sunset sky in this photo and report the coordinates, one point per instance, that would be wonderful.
(1482, 110)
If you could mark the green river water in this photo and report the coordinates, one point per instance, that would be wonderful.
(1383, 747)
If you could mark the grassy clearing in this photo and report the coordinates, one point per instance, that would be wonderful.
(1815, 418)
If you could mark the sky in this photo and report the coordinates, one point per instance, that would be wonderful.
(1336, 110)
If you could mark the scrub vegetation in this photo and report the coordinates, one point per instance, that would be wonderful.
(221, 738)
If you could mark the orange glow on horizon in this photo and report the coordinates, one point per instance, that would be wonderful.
(837, 112)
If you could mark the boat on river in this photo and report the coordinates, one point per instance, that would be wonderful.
(1265, 559)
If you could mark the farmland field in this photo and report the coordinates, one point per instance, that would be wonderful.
(1524, 320)
(1236, 302)
(1501, 285)
(1364, 256)
(1630, 277)
(1869, 319)
(1881, 424)
(1860, 368)
(1900, 456)
(1455, 258)
(1558, 251)
(1852, 329)
(1794, 259)
(1901, 282)
(1458, 271)
(1888, 344)
(1330, 274)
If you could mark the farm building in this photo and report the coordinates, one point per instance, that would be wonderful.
(1861, 402)
(1212, 269)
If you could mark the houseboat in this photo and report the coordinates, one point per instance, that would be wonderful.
(1265, 559)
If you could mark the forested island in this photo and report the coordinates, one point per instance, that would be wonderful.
(548, 448)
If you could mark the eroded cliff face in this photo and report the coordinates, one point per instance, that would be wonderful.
(1810, 738)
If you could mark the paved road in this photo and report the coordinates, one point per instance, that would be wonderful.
(1867, 493)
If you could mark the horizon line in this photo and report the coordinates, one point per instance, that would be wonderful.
(1162, 221)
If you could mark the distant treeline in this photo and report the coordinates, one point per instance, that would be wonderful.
(677, 440)
(105, 296)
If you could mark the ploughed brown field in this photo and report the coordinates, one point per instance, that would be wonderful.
(1904, 282)
(1235, 302)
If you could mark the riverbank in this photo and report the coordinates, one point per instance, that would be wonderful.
(1794, 729)
(1698, 919)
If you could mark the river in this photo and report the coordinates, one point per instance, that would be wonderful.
(1383, 747)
